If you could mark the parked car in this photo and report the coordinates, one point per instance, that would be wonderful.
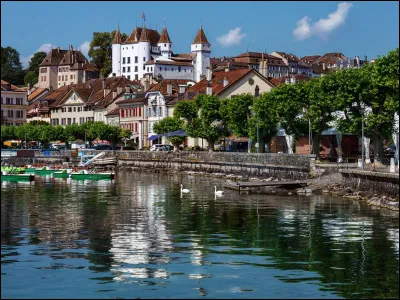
(102, 147)
(161, 147)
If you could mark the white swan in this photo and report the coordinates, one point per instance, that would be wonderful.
(218, 193)
(184, 190)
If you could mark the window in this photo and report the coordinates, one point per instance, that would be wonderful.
(63, 121)
(144, 59)
(69, 109)
(81, 120)
(136, 59)
(59, 78)
(160, 68)
(129, 69)
(165, 45)
(136, 68)
(43, 70)
(74, 109)
(123, 60)
(8, 101)
(129, 60)
(179, 69)
(123, 69)
(136, 77)
(144, 67)
(69, 121)
(129, 77)
(71, 77)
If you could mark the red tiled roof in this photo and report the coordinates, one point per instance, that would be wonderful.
(14, 88)
(217, 84)
(200, 37)
(114, 112)
(143, 35)
(54, 57)
(162, 85)
(164, 36)
(152, 35)
(36, 93)
(133, 100)
(169, 63)
(117, 38)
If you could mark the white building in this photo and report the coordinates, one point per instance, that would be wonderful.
(14, 103)
(147, 53)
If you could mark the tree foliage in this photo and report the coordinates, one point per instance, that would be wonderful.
(100, 50)
(33, 70)
(204, 118)
(170, 124)
(237, 112)
(11, 68)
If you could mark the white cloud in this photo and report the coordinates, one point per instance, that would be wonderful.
(84, 48)
(323, 26)
(233, 37)
(26, 59)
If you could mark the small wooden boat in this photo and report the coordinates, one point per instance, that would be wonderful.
(83, 174)
(13, 170)
(17, 177)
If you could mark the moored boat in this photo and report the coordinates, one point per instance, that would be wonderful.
(62, 173)
(83, 174)
(17, 177)
(45, 171)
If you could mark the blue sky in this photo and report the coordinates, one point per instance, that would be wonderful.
(368, 28)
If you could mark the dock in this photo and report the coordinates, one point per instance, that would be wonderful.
(246, 185)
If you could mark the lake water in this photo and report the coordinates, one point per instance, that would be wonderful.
(139, 237)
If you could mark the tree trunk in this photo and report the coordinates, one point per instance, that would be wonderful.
(210, 146)
(378, 147)
(315, 144)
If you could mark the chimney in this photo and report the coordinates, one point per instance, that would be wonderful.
(323, 66)
(114, 94)
(208, 70)
(169, 89)
(146, 84)
(58, 49)
(208, 88)
(29, 89)
(182, 89)
(226, 81)
(70, 47)
(365, 58)
(103, 84)
(106, 92)
(127, 89)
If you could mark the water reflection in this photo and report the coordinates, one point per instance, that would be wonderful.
(139, 230)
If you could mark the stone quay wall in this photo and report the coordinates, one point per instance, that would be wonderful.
(262, 165)
(379, 183)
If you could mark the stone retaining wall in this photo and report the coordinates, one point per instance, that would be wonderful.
(377, 182)
(261, 165)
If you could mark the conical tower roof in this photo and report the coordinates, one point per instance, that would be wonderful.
(164, 38)
(143, 35)
(200, 37)
(117, 38)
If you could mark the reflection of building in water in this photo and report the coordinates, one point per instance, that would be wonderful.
(348, 229)
(393, 235)
(141, 238)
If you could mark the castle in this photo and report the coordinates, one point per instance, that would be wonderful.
(146, 53)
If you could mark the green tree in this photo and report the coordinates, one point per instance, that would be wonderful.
(100, 50)
(237, 111)
(204, 118)
(263, 123)
(11, 68)
(7, 133)
(170, 124)
(33, 70)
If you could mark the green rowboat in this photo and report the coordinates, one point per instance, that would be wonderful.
(92, 176)
(17, 177)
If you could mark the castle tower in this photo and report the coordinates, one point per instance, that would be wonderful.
(116, 54)
(144, 52)
(165, 43)
(201, 49)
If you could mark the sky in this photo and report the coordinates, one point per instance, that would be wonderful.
(355, 28)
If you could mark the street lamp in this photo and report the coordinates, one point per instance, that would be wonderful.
(362, 140)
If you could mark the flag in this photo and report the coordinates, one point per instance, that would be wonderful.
(143, 17)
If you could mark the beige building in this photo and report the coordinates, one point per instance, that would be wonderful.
(62, 67)
(14, 103)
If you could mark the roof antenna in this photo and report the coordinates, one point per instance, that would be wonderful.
(164, 21)
(118, 25)
(248, 45)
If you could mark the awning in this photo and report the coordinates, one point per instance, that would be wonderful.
(153, 137)
(175, 133)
